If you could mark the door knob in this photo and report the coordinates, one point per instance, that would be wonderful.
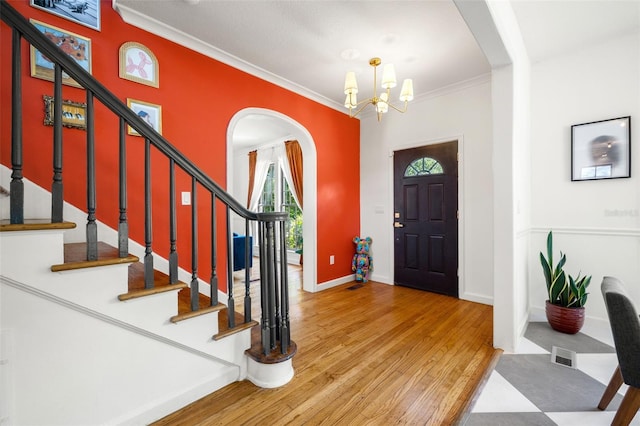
(398, 225)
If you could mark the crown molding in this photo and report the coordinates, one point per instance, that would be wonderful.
(137, 19)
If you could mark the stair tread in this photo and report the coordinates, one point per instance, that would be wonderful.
(136, 286)
(75, 255)
(187, 313)
(34, 225)
(184, 305)
(223, 324)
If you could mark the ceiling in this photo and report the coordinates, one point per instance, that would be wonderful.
(308, 46)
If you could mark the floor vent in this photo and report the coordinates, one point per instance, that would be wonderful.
(355, 286)
(564, 357)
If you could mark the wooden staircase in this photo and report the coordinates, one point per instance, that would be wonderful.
(75, 258)
(73, 261)
(73, 312)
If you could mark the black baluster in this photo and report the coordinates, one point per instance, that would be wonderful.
(123, 226)
(247, 272)
(148, 234)
(271, 284)
(92, 227)
(16, 187)
(277, 237)
(214, 273)
(231, 307)
(173, 254)
(264, 293)
(284, 290)
(195, 290)
(57, 196)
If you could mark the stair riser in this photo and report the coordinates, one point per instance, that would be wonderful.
(29, 254)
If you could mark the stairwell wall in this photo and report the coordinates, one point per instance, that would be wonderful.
(196, 111)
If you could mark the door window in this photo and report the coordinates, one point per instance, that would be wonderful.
(423, 166)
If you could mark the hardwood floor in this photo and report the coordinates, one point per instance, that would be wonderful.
(376, 355)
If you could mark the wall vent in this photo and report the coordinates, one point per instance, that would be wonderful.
(564, 357)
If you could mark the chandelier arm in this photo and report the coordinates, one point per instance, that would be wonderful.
(403, 110)
(367, 102)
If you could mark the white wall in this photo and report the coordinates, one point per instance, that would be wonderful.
(66, 367)
(464, 114)
(596, 223)
(511, 109)
(240, 185)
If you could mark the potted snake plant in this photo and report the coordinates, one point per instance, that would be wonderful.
(567, 295)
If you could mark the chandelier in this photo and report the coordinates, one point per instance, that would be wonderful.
(382, 103)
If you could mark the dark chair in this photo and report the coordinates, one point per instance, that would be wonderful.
(238, 252)
(625, 326)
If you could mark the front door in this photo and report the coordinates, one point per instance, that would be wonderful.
(425, 218)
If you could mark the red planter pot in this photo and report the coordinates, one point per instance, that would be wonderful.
(565, 320)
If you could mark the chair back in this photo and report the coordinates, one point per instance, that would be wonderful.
(625, 326)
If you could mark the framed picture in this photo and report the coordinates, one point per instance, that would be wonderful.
(83, 12)
(601, 149)
(74, 114)
(150, 113)
(76, 46)
(139, 64)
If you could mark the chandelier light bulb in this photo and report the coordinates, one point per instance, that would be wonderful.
(389, 77)
(406, 94)
(351, 101)
(350, 83)
(383, 105)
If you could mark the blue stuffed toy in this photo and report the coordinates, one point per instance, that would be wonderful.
(362, 262)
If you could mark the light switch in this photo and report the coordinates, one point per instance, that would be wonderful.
(186, 198)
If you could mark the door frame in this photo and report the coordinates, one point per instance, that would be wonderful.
(309, 178)
(461, 206)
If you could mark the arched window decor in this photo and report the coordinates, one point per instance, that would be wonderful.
(423, 166)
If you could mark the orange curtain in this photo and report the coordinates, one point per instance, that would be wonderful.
(253, 155)
(294, 156)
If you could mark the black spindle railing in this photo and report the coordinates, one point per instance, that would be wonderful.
(271, 247)
(247, 272)
(231, 304)
(57, 195)
(195, 288)
(123, 225)
(148, 226)
(213, 282)
(173, 232)
(16, 187)
(92, 226)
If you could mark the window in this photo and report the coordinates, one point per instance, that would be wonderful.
(276, 196)
(423, 166)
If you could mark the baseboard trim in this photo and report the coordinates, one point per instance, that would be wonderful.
(334, 283)
(478, 298)
(156, 410)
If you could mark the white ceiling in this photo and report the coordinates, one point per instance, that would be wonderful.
(308, 46)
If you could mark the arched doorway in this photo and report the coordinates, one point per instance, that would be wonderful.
(263, 127)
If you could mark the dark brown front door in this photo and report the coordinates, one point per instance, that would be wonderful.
(425, 218)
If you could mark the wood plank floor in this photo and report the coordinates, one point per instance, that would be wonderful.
(376, 355)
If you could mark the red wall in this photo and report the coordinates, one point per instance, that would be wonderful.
(199, 96)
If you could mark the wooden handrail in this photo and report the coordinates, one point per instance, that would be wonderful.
(274, 282)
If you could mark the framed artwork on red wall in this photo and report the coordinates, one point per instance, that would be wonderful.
(150, 114)
(139, 64)
(74, 114)
(83, 12)
(76, 46)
